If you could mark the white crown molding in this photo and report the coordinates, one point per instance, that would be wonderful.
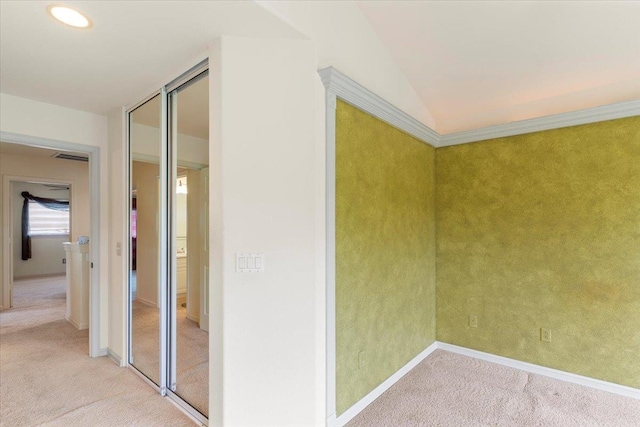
(556, 121)
(348, 90)
(543, 370)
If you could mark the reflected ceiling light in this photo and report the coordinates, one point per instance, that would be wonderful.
(69, 16)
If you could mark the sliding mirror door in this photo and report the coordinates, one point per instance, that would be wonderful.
(189, 340)
(169, 257)
(145, 293)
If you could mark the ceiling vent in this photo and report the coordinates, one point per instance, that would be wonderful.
(70, 156)
(57, 187)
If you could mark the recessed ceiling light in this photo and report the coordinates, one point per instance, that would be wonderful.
(69, 16)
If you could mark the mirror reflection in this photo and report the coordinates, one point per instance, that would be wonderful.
(145, 146)
(171, 347)
(190, 131)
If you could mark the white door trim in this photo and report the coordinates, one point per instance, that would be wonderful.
(330, 279)
(94, 177)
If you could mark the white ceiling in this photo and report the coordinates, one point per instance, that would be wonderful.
(133, 47)
(477, 64)
(472, 64)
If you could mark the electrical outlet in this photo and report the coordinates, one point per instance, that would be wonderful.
(473, 321)
(545, 334)
(361, 359)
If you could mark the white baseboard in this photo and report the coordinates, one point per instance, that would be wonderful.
(373, 395)
(39, 276)
(542, 370)
(146, 302)
(359, 406)
(350, 413)
(114, 357)
(79, 326)
(102, 352)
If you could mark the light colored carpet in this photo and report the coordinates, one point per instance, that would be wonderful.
(47, 378)
(44, 296)
(448, 389)
(192, 365)
(145, 338)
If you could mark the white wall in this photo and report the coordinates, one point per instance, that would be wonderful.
(345, 40)
(47, 252)
(196, 240)
(41, 120)
(263, 181)
(181, 217)
(118, 221)
(33, 118)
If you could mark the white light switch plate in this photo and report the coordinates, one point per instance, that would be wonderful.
(249, 262)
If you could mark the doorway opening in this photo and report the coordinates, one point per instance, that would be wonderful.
(40, 226)
(36, 279)
(41, 223)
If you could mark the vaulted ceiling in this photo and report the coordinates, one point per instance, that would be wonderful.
(472, 64)
(477, 64)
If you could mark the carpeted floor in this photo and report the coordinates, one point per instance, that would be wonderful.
(145, 340)
(448, 389)
(192, 365)
(47, 378)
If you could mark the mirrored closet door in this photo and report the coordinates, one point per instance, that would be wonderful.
(189, 340)
(145, 301)
(169, 254)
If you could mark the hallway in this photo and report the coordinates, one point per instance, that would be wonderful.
(46, 377)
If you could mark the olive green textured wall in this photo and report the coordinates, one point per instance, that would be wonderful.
(385, 251)
(543, 230)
